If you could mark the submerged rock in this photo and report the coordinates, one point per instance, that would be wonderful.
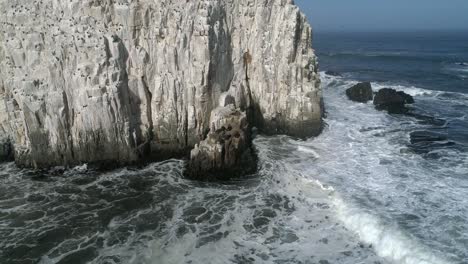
(119, 82)
(227, 150)
(426, 136)
(428, 120)
(425, 142)
(392, 101)
(361, 92)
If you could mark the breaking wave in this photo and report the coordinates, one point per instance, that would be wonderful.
(342, 197)
(389, 242)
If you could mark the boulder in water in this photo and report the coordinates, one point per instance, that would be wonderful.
(361, 92)
(424, 142)
(426, 136)
(392, 101)
(226, 152)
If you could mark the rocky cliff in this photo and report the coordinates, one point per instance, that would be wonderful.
(120, 80)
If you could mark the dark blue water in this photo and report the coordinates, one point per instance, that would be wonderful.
(410, 191)
(435, 61)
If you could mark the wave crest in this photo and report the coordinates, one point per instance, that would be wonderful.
(389, 242)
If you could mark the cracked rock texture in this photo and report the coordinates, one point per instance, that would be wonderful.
(226, 151)
(119, 81)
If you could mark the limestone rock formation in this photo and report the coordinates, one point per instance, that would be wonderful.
(120, 81)
(361, 92)
(226, 152)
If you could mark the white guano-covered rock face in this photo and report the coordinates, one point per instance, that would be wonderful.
(119, 81)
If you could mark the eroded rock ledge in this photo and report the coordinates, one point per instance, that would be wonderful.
(122, 81)
(227, 150)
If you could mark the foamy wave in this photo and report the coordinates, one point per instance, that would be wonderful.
(308, 150)
(462, 64)
(369, 164)
(459, 69)
(388, 242)
(80, 168)
(411, 90)
(323, 75)
(319, 184)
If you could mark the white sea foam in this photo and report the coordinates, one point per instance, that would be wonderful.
(388, 241)
(376, 86)
(355, 194)
(287, 218)
(409, 208)
(308, 150)
(411, 90)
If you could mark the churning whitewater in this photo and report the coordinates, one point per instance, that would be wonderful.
(359, 193)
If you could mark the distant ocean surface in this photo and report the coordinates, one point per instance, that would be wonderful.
(431, 60)
(364, 191)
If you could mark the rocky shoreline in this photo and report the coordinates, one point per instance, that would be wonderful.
(119, 83)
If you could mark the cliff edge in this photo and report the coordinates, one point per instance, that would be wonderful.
(120, 81)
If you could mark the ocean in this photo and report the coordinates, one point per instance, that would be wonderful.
(361, 192)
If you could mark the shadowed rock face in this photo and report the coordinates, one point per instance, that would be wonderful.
(361, 92)
(392, 101)
(6, 151)
(122, 81)
(227, 151)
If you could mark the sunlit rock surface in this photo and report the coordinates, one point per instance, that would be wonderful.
(226, 152)
(121, 81)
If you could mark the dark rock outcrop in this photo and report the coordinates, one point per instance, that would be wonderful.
(333, 73)
(361, 92)
(392, 101)
(424, 142)
(426, 136)
(408, 98)
(6, 150)
(227, 151)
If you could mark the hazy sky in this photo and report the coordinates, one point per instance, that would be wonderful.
(368, 15)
